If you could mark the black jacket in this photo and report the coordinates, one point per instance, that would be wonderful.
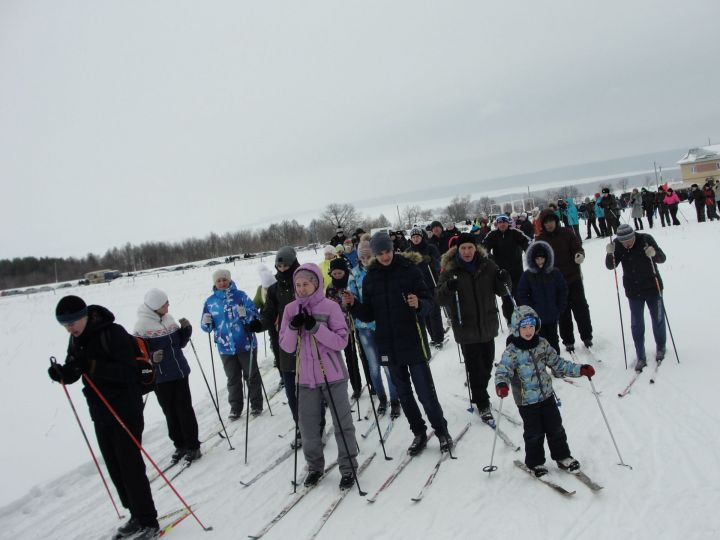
(399, 333)
(279, 295)
(638, 278)
(507, 250)
(565, 246)
(113, 367)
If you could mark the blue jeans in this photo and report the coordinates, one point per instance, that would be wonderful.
(367, 340)
(422, 380)
(637, 322)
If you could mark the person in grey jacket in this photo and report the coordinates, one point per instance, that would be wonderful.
(637, 209)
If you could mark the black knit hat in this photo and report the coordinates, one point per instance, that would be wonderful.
(436, 223)
(285, 255)
(70, 309)
(466, 238)
(338, 264)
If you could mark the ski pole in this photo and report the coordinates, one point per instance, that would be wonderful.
(471, 409)
(597, 398)
(217, 408)
(499, 318)
(509, 293)
(662, 302)
(457, 306)
(617, 291)
(212, 364)
(372, 402)
(491, 468)
(417, 325)
(247, 407)
(337, 417)
(267, 400)
(142, 449)
(297, 410)
(53, 362)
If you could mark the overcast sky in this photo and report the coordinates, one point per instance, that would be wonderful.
(158, 120)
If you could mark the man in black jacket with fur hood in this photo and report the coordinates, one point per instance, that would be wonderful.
(105, 353)
(397, 298)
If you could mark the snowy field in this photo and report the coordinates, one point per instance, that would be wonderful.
(668, 432)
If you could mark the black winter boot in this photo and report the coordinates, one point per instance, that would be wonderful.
(418, 444)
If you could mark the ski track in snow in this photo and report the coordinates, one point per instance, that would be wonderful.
(666, 431)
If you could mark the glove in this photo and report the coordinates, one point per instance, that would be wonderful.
(610, 248)
(452, 284)
(207, 319)
(310, 322)
(650, 251)
(502, 390)
(503, 275)
(158, 356)
(254, 326)
(56, 372)
(297, 321)
(184, 323)
(579, 258)
(586, 370)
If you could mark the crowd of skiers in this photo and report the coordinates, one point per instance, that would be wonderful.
(374, 305)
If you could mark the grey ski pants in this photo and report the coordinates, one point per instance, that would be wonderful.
(237, 368)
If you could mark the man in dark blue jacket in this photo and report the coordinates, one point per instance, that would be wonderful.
(397, 298)
(639, 254)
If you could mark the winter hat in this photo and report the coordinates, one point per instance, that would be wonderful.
(597, 195)
(502, 218)
(363, 248)
(527, 320)
(285, 255)
(606, 190)
(466, 238)
(328, 250)
(338, 264)
(70, 309)
(380, 242)
(155, 299)
(339, 230)
(266, 277)
(348, 241)
(307, 274)
(416, 231)
(339, 248)
(221, 274)
(436, 223)
(625, 232)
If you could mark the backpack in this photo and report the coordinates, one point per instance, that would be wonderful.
(143, 361)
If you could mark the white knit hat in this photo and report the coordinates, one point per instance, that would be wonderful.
(155, 299)
(266, 277)
(329, 250)
(221, 273)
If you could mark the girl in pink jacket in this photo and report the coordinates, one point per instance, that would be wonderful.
(672, 201)
(314, 329)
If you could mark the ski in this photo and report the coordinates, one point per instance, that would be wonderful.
(655, 373)
(338, 499)
(626, 390)
(514, 421)
(433, 474)
(294, 499)
(164, 471)
(502, 435)
(170, 526)
(543, 479)
(593, 355)
(388, 430)
(585, 479)
(369, 430)
(277, 461)
(393, 475)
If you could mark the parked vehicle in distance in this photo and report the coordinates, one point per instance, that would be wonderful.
(212, 263)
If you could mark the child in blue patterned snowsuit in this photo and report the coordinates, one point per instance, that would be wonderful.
(524, 367)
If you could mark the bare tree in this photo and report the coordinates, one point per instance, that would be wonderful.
(484, 205)
(410, 215)
(341, 215)
(459, 209)
(623, 184)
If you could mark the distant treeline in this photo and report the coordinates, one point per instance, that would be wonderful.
(28, 271)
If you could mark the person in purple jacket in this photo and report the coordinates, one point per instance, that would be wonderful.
(314, 328)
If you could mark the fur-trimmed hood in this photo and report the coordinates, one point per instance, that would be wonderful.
(530, 257)
(449, 259)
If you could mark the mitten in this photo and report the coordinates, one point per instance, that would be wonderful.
(586, 370)
(650, 251)
(579, 258)
(207, 319)
(610, 248)
(502, 390)
(254, 326)
(158, 356)
(297, 321)
(452, 284)
(310, 322)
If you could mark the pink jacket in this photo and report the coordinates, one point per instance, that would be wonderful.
(328, 337)
(671, 199)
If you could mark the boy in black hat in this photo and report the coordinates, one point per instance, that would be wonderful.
(105, 353)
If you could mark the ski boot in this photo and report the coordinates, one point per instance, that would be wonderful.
(418, 444)
(347, 480)
(539, 470)
(177, 455)
(640, 364)
(446, 443)
(569, 464)
(312, 478)
(382, 407)
(395, 409)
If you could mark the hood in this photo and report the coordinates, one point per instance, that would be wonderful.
(99, 317)
(530, 257)
(518, 315)
(287, 275)
(570, 202)
(319, 293)
(549, 212)
(449, 262)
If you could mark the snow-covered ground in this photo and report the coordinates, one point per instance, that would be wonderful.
(668, 431)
